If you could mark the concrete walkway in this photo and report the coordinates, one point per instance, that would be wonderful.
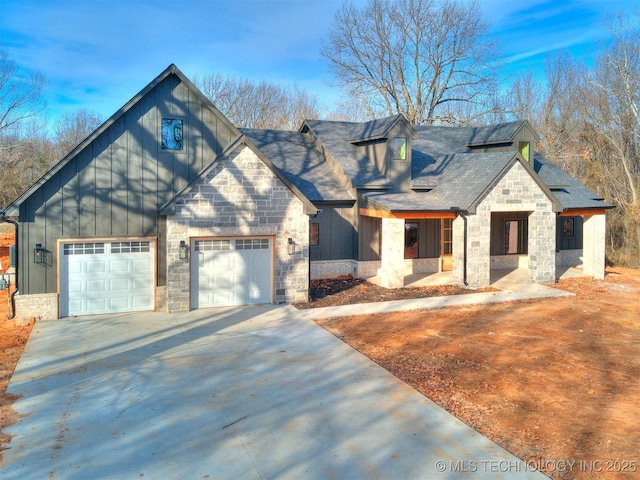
(234, 393)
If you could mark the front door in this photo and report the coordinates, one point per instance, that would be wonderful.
(447, 245)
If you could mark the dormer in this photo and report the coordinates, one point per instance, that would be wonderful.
(387, 143)
(519, 136)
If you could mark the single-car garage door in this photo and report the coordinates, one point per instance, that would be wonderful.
(106, 277)
(231, 271)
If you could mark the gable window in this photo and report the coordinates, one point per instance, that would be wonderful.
(399, 148)
(314, 234)
(515, 237)
(171, 134)
(525, 150)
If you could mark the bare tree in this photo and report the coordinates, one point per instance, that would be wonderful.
(73, 128)
(258, 105)
(561, 119)
(26, 153)
(20, 95)
(525, 98)
(614, 112)
(415, 57)
(24, 148)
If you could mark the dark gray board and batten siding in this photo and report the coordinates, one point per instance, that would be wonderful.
(114, 186)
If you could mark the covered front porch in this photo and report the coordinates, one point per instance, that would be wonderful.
(413, 243)
(465, 255)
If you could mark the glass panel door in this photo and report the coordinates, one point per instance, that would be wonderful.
(447, 244)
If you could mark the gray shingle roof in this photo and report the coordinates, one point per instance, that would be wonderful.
(410, 201)
(336, 137)
(569, 192)
(493, 134)
(301, 162)
(460, 179)
(447, 172)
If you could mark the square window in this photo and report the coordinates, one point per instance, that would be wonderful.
(399, 148)
(314, 234)
(171, 134)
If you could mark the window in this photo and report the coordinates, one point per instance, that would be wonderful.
(411, 230)
(212, 245)
(568, 230)
(130, 247)
(515, 237)
(252, 244)
(399, 148)
(314, 234)
(83, 248)
(525, 150)
(447, 236)
(171, 134)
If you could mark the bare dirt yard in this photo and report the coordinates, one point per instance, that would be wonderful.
(12, 342)
(556, 382)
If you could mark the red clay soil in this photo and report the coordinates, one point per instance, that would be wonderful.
(555, 382)
(12, 342)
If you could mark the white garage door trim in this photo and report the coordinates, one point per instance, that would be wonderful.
(231, 271)
(106, 276)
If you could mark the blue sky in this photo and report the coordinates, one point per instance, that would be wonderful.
(97, 54)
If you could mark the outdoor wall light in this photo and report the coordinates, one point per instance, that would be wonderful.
(291, 246)
(184, 250)
(39, 254)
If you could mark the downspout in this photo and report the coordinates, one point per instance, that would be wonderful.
(4, 219)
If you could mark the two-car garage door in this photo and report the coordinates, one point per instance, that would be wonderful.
(106, 277)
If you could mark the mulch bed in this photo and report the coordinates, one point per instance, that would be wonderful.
(346, 290)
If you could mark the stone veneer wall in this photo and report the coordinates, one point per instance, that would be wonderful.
(322, 269)
(241, 197)
(569, 258)
(515, 192)
(40, 306)
(509, 261)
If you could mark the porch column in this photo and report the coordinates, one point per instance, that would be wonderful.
(391, 272)
(593, 245)
(457, 249)
(479, 249)
(542, 247)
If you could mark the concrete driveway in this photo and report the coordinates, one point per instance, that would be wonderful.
(252, 393)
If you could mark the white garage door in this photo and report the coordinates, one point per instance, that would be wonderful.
(231, 271)
(106, 277)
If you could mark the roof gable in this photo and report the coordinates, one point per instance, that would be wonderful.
(171, 70)
(302, 162)
(242, 141)
(351, 160)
